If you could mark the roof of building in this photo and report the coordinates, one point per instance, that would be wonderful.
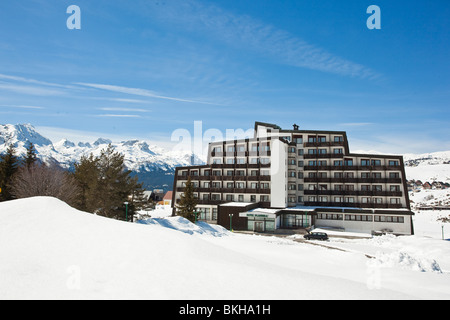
(168, 195)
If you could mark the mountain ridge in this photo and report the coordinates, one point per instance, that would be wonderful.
(148, 162)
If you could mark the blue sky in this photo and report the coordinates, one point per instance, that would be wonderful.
(144, 68)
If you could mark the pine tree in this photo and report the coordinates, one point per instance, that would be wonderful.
(31, 157)
(86, 174)
(8, 166)
(188, 203)
(106, 185)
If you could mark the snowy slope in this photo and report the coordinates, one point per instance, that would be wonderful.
(52, 251)
(428, 166)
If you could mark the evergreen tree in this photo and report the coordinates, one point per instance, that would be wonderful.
(188, 202)
(86, 174)
(106, 185)
(8, 166)
(30, 158)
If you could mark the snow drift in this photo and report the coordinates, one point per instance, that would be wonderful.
(52, 251)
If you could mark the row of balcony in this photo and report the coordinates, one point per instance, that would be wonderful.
(354, 205)
(224, 178)
(229, 190)
(354, 193)
(353, 180)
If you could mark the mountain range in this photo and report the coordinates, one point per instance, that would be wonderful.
(155, 166)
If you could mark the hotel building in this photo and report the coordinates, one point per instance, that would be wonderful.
(290, 179)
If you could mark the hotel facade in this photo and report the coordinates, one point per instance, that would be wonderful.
(292, 179)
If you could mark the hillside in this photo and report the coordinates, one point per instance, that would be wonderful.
(56, 252)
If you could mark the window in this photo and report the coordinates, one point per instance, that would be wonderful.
(240, 160)
(365, 200)
(394, 175)
(291, 149)
(300, 163)
(230, 197)
(240, 148)
(337, 151)
(393, 219)
(375, 162)
(230, 161)
(300, 152)
(217, 149)
(217, 161)
(322, 151)
(338, 163)
(254, 185)
(252, 198)
(322, 139)
(338, 187)
(292, 174)
(338, 139)
(230, 149)
(300, 187)
(230, 185)
(241, 198)
(300, 174)
(393, 162)
(323, 199)
(265, 160)
(348, 162)
(312, 139)
(376, 175)
(377, 200)
(377, 188)
(230, 173)
(292, 162)
(365, 175)
(365, 162)
(338, 199)
(292, 187)
(264, 185)
(394, 188)
(312, 151)
(265, 172)
(365, 187)
(240, 185)
(298, 140)
(394, 201)
(264, 198)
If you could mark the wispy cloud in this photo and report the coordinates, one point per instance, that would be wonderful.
(124, 109)
(251, 34)
(22, 107)
(137, 92)
(118, 116)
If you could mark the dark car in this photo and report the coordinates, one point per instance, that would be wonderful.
(316, 235)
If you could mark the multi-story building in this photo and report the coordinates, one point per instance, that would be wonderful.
(282, 179)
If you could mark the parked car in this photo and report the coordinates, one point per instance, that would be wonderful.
(316, 235)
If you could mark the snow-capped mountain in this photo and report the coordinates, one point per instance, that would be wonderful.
(154, 165)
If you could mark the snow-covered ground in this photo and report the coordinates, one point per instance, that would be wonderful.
(52, 251)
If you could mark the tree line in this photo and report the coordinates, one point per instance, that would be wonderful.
(99, 185)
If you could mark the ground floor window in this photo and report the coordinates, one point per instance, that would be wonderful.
(357, 217)
(261, 224)
(393, 219)
(294, 220)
